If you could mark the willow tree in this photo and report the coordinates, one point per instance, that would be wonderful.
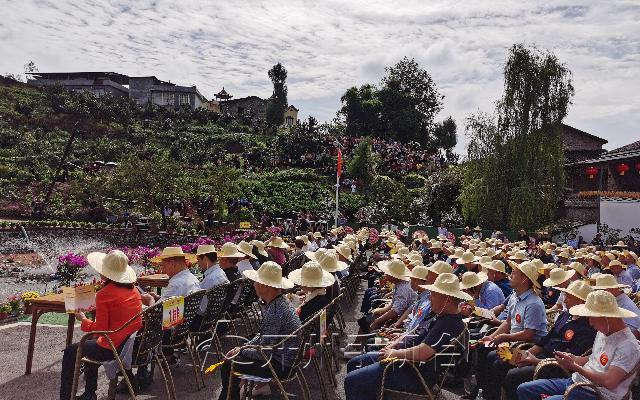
(514, 174)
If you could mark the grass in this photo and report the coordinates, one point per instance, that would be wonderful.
(48, 319)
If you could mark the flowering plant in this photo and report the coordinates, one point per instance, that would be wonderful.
(26, 296)
(15, 304)
(274, 230)
(69, 266)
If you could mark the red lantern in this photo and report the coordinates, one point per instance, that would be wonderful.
(591, 171)
(622, 168)
(638, 167)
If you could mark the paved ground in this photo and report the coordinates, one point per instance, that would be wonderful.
(43, 383)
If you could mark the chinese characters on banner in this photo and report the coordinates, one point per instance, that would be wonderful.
(172, 312)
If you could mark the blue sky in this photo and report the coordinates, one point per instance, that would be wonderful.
(328, 46)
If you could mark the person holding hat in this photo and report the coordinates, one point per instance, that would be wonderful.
(213, 276)
(623, 277)
(181, 281)
(313, 282)
(116, 303)
(278, 320)
(614, 356)
(364, 383)
(609, 283)
(570, 334)
(497, 274)
(485, 293)
(526, 322)
(228, 256)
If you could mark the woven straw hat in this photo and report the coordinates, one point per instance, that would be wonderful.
(113, 265)
(402, 253)
(600, 303)
(449, 285)
(420, 272)
(247, 249)
(616, 263)
(172, 252)
(530, 272)
(495, 265)
(311, 275)
(277, 242)
(440, 267)
(205, 249)
(558, 276)
(471, 279)
(260, 246)
(344, 250)
(519, 255)
(270, 274)
(328, 260)
(580, 289)
(608, 281)
(230, 250)
(395, 268)
(579, 268)
(467, 257)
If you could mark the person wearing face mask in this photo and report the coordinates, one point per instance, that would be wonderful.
(364, 383)
(526, 321)
(570, 334)
(614, 356)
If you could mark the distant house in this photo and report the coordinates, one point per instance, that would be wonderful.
(255, 108)
(149, 89)
(290, 117)
(142, 89)
(98, 83)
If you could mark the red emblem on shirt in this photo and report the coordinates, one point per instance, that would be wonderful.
(604, 359)
(550, 293)
(568, 335)
(518, 318)
(419, 312)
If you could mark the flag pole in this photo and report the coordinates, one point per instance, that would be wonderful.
(338, 172)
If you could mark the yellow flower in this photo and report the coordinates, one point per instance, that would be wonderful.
(30, 295)
(213, 367)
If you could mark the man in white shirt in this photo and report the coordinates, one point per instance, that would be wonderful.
(614, 356)
(245, 263)
(609, 283)
(181, 281)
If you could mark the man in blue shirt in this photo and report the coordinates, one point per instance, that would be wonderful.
(526, 322)
(485, 293)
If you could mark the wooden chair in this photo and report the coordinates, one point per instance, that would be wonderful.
(240, 309)
(442, 362)
(180, 333)
(216, 298)
(146, 351)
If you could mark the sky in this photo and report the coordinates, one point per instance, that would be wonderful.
(328, 46)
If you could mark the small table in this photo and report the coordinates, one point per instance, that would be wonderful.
(155, 280)
(42, 305)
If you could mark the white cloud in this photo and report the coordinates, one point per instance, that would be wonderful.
(328, 46)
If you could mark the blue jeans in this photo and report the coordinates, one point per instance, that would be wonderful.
(363, 360)
(364, 383)
(554, 388)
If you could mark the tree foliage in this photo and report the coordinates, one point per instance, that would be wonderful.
(515, 157)
(363, 164)
(278, 102)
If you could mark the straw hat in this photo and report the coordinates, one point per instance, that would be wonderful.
(471, 279)
(172, 252)
(601, 304)
(467, 257)
(113, 265)
(490, 252)
(419, 272)
(483, 260)
(402, 252)
(247, 249)
(344, 250)
(580, 289)
(607, 281)
(620, 244)
(318, 235)
(260, 246)
(564, 254)
(440, 267)
(230, 250)
(304, 238)
(311, 275)
(558, 276)
(610, 256)
(457, 253)
(530, 272)
(270, 274)
(538, 263)
(205, 249)
(477, 228)
(395, 268)
(436, 245)
(495, 265)
(448, 285)
(278, 243)
(519, 255)
(328, 260)
(616, 263)
(579, 268)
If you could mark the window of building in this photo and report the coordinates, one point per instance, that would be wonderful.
(184, 99)
(288, 122)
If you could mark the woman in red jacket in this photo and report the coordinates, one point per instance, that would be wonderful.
(116, 303)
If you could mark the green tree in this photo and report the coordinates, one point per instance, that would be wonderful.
(278, 102)
(363, 164)
(514, 175)
(361, 109)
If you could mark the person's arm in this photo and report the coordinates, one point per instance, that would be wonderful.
(419, 353)
(378, 322)
(402, 318)
(504, 327)
(525, 335)
(101, 322)
(609, 379)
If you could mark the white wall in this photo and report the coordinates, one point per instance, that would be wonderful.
(620, 214)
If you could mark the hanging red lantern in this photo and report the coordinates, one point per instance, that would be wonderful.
(638, 167)
(622, 168)
(591, 171)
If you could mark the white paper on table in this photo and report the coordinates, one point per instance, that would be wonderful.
(483, 312)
